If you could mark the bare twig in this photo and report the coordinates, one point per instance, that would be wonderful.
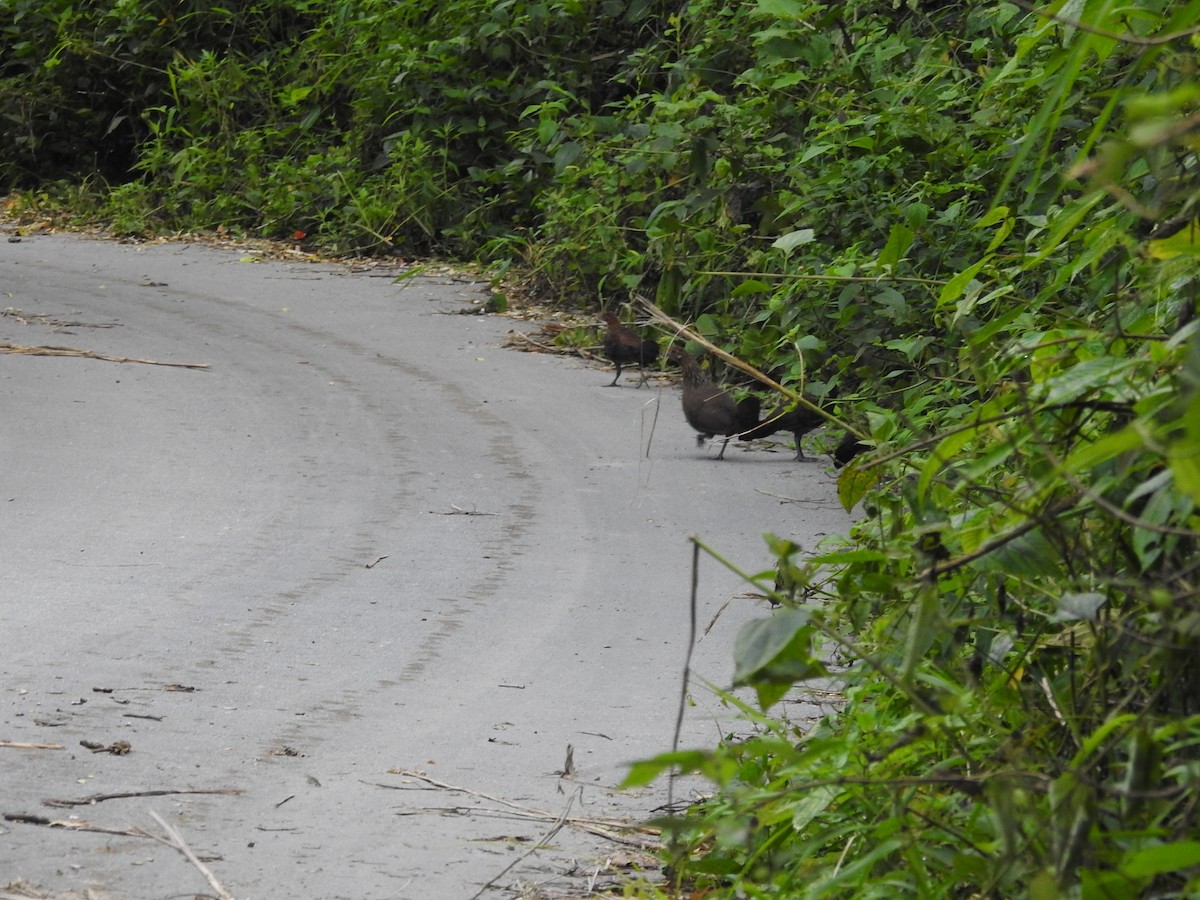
(181, 845)
(72, 825)
(600, 827)
(17, 745)
(91, 354)
(716, 615)
(125, 795)
(459, 511)
(555, 829)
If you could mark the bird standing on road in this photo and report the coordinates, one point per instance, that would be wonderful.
(710, 409)
(799, 420)
(624, 345)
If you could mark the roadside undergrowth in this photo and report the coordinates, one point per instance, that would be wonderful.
(966, 231)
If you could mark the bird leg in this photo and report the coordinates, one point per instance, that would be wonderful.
(615, 377)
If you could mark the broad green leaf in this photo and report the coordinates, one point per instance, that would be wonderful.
(916, 215)
(793, 239)
(707, 325)
(1184, 453)
(813, 802)
(644, 771)
(943, 454)
(900, 238)
(992, 216)
(1162, 858)
(1085, 378)
(921, 631)
(751, 286)
(847, 557)
(953, 289)
(854, 482)
(782, 9)
(1030, 555)
(1108, 447)
(1001, 234)
(1184, 242)
(771, 655)
(1186, 470)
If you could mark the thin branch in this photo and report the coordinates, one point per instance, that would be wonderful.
(91, 354)
(93, 799)
(181, 845)
(687, 666)
(554, 829)
(941, 568)
(591, 825)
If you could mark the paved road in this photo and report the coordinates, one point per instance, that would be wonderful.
(365, 539)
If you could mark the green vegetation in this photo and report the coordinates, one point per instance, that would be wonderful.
(969, 229)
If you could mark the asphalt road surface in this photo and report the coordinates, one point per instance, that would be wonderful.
(365, 541)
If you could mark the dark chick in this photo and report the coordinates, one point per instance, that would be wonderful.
(624, 345)
(708, 408)
(799, 421)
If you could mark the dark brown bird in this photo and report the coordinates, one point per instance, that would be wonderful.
(710, 409)
(847, 449)
(624, 345)
(799, 420)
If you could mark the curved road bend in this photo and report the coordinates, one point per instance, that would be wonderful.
(364, 539)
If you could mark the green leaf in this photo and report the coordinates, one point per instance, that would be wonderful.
(781, 9)
(1031, 555)
(916, 215)
(992, 216)
(954, 288)
(1163, 858)
(708, 326)
(644, 771)
(900, 238)
(793, 239)
(812, 803)
(1108, 447)
(1086, 378)
(772, 654)
(751, 286)
(1185, 241)
(854, 482)
(1184, 453)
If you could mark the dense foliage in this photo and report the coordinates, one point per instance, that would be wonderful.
(968, 228)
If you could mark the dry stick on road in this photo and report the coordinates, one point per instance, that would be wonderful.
(93, 799)
(17, 745)
(79, 825)
(600, 827)
(91, 354)
(177, 841)
(83, 825)
(545, 841)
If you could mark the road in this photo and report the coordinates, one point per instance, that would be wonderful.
(365, 540)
